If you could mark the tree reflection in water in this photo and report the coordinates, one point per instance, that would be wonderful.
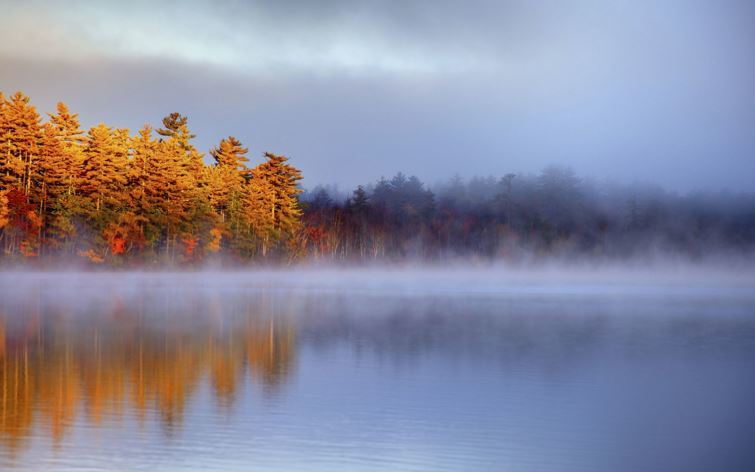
(56, 364)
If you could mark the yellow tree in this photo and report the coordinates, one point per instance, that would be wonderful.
(62, 176)
(226, 181)
(20, 137)
(103, 178)
(53, 169)
(189, 214)
(71, 137)
(143, 172)
(255, 232)
(169, 192)
(103, 182)
(227, 174)
(20, 148)
(176, 129)
(277, 182)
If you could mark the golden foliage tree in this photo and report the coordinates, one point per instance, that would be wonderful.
(274, 189)
(103, 178)
(20, 139)
(111, 196)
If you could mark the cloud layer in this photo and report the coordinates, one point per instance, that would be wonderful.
(658, 91)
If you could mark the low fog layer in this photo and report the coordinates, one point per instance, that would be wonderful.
(669, 279)
(555, 214)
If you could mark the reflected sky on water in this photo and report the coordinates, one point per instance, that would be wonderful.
(238, 372)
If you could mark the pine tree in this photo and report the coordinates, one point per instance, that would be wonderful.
(274, 189)
(230, 154)
(54, 169)
(104, 170)
(226, 180)
(190, 213)
(141, 173)
(255, 231)
(63, 169)
(177, 130)
(72, 139)
(20, 137)
(170, 192)
(358, 203)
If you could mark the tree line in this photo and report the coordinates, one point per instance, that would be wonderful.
(554, 214)
(106, 195)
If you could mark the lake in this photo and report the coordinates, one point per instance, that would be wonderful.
(382, 369)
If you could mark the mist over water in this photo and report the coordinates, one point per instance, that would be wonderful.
(374, 369)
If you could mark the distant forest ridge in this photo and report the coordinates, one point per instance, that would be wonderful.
(519, 217)
(109, 197)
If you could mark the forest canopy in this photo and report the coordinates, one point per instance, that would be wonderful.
(109, 196)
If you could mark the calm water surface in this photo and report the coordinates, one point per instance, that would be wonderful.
(375, 371)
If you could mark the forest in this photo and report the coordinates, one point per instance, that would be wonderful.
(106, 196)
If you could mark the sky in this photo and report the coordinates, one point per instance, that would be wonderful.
(657, 91)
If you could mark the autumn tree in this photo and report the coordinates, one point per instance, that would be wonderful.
(104, 177)
(20, 139)
(63, 163)
(176, 130)
(255, 232)
(283, 203)
(226, 183)
(72, 139)
(272, 200)
(143, 172)
(108, 193)
(103, 181)
(53, 169)
(180, 182)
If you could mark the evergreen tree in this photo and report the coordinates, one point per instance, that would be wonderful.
(167, 191)
(104, 171)
(282, 202)
(54, 170)
(144, 171)
(359, 201)
(176, 130)
(226, 181)
(63, 163)
(256, 230)
(20, 139)
(72, 138)
(230, 154)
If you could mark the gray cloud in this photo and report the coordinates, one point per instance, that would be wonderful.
(658, 91)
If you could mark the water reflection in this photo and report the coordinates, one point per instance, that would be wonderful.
(199, 374)
(54, 364)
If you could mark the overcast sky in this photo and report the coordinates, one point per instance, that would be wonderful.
(657, 90)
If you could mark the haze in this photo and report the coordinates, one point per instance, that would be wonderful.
(619, 90)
